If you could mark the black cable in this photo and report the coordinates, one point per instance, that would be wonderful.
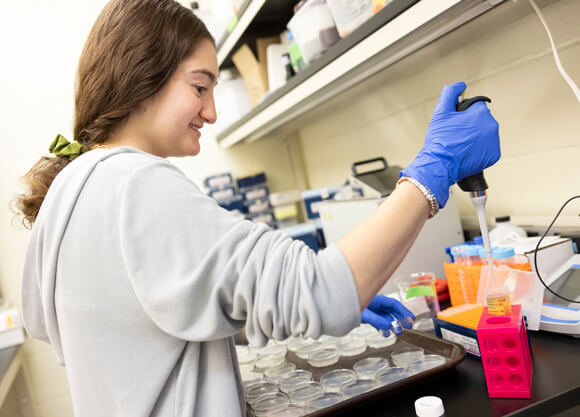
(538, 246)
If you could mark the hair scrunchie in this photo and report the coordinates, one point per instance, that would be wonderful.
(62, 147)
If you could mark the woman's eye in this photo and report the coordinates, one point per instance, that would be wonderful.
(200, 89)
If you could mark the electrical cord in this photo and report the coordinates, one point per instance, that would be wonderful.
(538, 246)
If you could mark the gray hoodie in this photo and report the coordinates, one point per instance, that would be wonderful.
(139, 281)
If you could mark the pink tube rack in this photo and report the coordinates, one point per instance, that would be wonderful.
(505, 354)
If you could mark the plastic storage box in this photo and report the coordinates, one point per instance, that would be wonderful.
(350, 14)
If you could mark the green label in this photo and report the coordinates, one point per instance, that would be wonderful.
(295, 54)
(420, 291)
(232, 24)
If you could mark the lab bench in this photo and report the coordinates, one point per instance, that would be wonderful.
(555, 386)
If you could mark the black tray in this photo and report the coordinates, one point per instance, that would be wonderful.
(453, 352)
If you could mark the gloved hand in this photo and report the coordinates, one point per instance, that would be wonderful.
(457, 144)
(382, 311)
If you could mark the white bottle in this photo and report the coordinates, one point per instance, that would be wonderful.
(429, 406)
(505, 231)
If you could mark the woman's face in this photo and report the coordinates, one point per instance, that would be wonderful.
(170, 122)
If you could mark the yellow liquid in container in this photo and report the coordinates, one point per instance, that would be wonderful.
(498, 301)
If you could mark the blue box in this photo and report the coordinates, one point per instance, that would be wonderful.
(256, 193)
(312, 197)
(251, 181)
(305, 232)
(235, 203)
(461, 335)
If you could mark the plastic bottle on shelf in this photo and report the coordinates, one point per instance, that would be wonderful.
(296, 59)
(505, 231)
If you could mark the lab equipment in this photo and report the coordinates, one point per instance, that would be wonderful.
(296, 378)
(367, 368)
(278, 373)
(459, 325)
(383, 311)
(352, 346)
(324, 357)
(378, 341)
(362, 331)
(292, 410)
(325, 400)
(304, 351)
(269, 403)
(505, 354)
(359, 387)
(405, 355)
(429, 406)
(260, 388)
(505, 231)
(389, 375)
(463, 274)
(333, 381)
(417, 292)
(305, 392)
(426, 363)
(498, 301)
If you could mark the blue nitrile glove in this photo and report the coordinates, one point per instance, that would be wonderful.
(457, 144)
(382, 311)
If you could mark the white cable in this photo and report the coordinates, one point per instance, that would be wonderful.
(569, 80)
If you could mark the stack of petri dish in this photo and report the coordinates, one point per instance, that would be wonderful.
(278, 373)
(305, 392)
(257, 389)
(267, 403)
(358, 387)
(325, 356)
(378, 340)
(351, 346)
(369, 367)
(334, 380)
(305, 350)
(425, 363)
(405, 355)
(390, 375)
(271, 356)
(299, 376)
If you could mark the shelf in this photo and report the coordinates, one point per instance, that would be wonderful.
(401, 28)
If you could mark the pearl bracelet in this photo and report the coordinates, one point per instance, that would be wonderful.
(433, 203)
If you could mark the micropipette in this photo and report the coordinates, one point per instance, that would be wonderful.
(476, 186)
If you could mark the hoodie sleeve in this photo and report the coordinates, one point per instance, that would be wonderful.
(202, 274)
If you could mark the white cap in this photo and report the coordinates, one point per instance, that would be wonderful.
(429, 406)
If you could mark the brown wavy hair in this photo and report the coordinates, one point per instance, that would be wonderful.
(132, 50)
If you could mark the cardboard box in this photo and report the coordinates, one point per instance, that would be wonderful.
(254, 71)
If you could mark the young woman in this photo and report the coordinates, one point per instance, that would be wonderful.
(139, 281)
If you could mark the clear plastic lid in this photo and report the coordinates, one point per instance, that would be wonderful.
(326, 400)
(304, 351)
(379, 341)
(363, 331)
(405, 355)
(330, 340)
(368, 368)
(292, 410)
(278, 373)
(269, 362)
(333, 381)
(352, 346)
(426, 363)
(305, 392)
(393, 374)
(324, 357)
(270, 402)
(359, 387)
(253, 391)
(273, 350)
(247, 367)
(293, 342)
(297, 377)
(245, 355)
(249, 377)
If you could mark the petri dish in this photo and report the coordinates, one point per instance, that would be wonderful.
(305, 392)
(392, 374)
(406, 355)
(379, 341)
(270, 402)
(358, 387)
(426, 363)
(296, 378)
(292, 410)
(363, 331)
(333, 381)
(368, 368)
(249, 377)
(253, 391)
(304, 351)
(277, 350)
(352, 346)
(330, 340)
(294, 341)
(324, 357)
(326, 400)
(246, 355)
(269, 362)
(246, 367)
(278, 373)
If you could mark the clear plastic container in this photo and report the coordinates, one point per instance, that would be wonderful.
(428, 362)
(352, 346)
(304, 351)
(389, 375)
(326, 400)
(245, 355)
(333, 381)
(305, 392)
(363, 331)
(350, 14)
(378, 341)
(270, 402)
(292, 410)
(406, 355)
(253, 391)
(280, 372)
(324, 357)
(311, 27)
(297, 377)
(271, 356)
(368, 368)
(330, 340)
(249, 377)
(498, 301)
(293, 343)
(359, 387)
